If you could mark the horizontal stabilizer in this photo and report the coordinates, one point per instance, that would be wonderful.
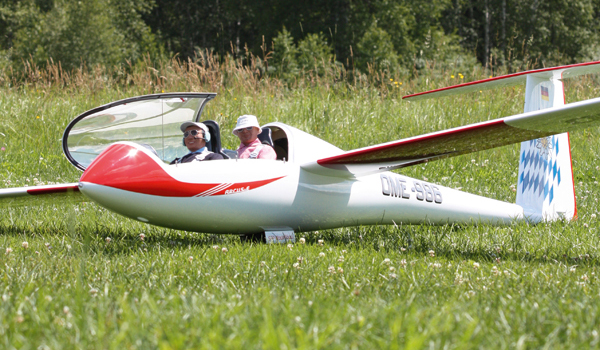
(38, 195)
(565, 72)
(461, 140)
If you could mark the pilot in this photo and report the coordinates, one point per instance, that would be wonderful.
(247, 129)
(195, 136)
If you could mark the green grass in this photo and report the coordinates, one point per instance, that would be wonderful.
(87, 280)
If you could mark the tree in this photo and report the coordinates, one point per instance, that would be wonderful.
(517, 32)
(73, 33)
(283, 60)
(376, 49)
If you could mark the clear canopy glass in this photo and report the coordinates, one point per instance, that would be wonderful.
(151, 120)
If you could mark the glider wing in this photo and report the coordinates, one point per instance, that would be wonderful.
(461, 140)
(38, 195)
(569, 71)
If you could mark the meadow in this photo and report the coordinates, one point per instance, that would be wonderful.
(74, 275)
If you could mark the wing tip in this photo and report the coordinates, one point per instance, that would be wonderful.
(499, 81)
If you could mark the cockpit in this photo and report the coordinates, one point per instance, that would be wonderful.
(153, 121)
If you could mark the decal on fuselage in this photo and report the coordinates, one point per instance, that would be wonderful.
(395, 186)
(236, 190)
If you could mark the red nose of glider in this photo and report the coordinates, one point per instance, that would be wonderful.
(126, 166)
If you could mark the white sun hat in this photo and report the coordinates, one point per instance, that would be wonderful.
(245, 121)
(200, 125)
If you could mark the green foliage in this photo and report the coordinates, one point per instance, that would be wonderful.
(314, 53)
(75, 33)
(375, 49)
(284, 59)
(389, 35)
(521, 34)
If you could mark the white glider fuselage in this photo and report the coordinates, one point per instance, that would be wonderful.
(252, 196)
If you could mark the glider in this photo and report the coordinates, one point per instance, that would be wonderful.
(123, 149)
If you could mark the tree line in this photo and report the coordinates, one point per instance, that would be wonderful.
(291, 36)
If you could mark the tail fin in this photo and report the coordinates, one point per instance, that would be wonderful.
(545, 183)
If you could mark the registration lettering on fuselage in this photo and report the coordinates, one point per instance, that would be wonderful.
(395, 186)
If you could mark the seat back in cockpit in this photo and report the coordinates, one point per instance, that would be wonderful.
(215, 138)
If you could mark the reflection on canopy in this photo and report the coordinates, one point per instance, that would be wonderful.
(153, 122)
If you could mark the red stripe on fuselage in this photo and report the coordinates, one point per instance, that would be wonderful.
(126, 168)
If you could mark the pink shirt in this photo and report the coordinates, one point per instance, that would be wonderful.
(266, 152)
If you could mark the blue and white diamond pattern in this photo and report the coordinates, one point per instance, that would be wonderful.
(542, 171)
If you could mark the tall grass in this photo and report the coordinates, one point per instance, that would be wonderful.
(87, 278)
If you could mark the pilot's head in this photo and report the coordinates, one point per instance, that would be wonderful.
(195, 135)
(247, 129)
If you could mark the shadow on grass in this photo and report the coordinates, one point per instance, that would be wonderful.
(481, 243)
(543, 243)
(117, 241)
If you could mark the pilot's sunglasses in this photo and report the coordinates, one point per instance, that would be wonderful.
(246, 129)
(192, 132)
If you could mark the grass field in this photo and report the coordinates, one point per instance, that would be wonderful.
(78, 276)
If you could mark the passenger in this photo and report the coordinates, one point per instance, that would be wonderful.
(247, 129)
(195, 137)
